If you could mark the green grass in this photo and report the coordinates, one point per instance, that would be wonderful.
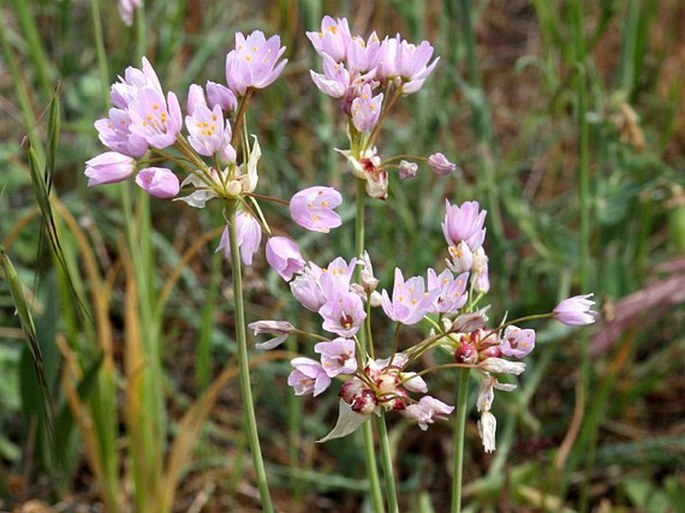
(532, 99)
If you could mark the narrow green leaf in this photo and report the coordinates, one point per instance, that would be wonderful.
(29, 329)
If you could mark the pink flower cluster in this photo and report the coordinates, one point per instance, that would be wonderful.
(448, 301)
(368, 75)
(144, 120)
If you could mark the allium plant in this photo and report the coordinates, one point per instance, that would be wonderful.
(212, 157)
(368, 76)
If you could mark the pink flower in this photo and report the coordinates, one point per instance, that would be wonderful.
(343, 314)
(280, 328)
(363, 56)
(575, 311)
(128, 88)
(337, 356)
(253, 62)
(450, 291)
(306, 289)
(440, 165)
(115, 133)
(333, 40)
(284, 257)
(312, 208)
(335, 80)
(109, 167)
(427, 411)
(155, 119)
(464, 223)
(222, 96)
(408, 169)
(410, 303)
(159, 182)
(517, 342)
(126, 9)
(407, 61)
(207, 133)
(249, 235)
(366, 109)
(308, 377)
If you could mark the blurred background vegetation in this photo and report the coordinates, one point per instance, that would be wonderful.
(567, 120)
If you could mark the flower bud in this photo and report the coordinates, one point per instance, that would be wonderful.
(466, 354)
(365, 402)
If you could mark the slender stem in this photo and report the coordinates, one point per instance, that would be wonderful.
(386, 458)
(459, 428)
(100, 49)
(244, 365)
(367, 428)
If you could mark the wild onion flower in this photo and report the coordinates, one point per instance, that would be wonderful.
(410, 302)
(249, 237)
(218, 94)
(109, 167)
(126, 9)
(159, 182)
(312, 208)
(337, 356)
(309, 377)
(440, 165)
(284, 257)
(254, 62)
(343, 314)
(280, 328)
(208, 134)
(575, 311)
(407, 62)
(366, 109)
(407, 169)
(333, 39)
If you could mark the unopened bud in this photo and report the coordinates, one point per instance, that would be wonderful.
(365, 402)
(466, 354)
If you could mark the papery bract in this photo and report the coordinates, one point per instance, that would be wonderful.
(487, 426)
(254, 62)
(109, 167)
(159, 182)
(312, 208)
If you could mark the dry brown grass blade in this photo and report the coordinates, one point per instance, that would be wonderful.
(185, 259)
(100, 295)
(194, 420)
(71, 374)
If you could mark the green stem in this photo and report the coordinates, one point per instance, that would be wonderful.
(459, 429)
(100, 50)
(367, 428)
(386, 458)
(243, 363)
